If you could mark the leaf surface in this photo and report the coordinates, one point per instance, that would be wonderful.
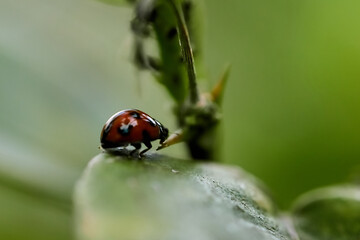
(163, 198)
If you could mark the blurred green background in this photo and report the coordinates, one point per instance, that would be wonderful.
(291, 109)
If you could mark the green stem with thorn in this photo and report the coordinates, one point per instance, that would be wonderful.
(187, 52)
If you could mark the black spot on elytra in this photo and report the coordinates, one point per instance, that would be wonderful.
(125, 131)
(135, 115)
(171, 33)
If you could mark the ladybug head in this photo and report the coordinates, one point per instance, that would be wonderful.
(164, 133)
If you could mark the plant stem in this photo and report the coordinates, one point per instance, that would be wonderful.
(187, 52)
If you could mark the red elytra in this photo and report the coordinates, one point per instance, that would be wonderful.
(132, 127)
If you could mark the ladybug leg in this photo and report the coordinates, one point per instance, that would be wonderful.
(147, 142)
(148, 145)
(137, 146)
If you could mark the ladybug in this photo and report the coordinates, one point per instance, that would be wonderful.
(132, 127)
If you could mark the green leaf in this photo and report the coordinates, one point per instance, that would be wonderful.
(163, 198)
(331, 213)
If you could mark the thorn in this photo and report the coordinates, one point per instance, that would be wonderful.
(174, 138)
(218, 90)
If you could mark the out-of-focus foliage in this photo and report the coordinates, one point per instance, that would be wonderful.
(59, 75)
(292, 106)
(291, 110)
(331, 213)
(32, 217)
(116, 2)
